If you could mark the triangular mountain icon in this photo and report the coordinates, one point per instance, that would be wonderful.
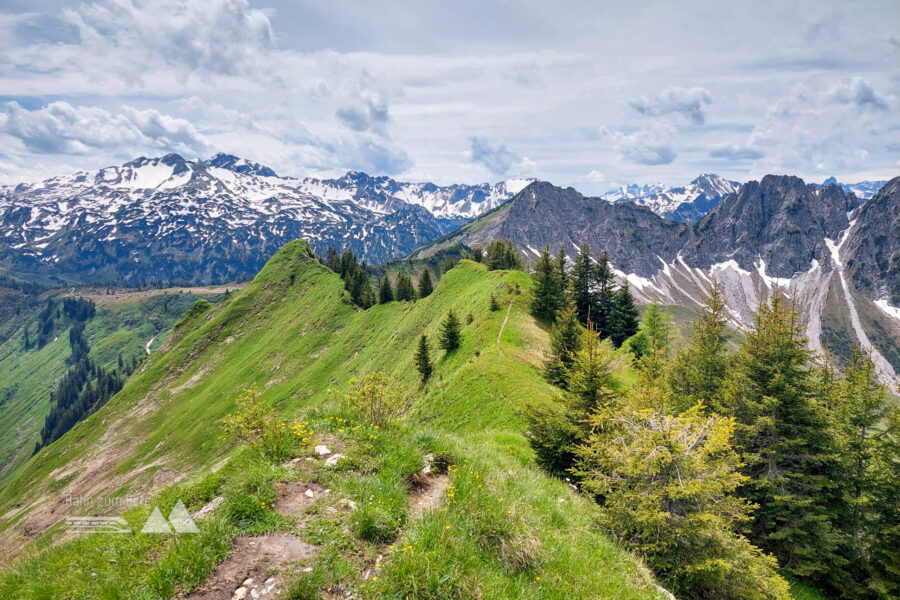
(181, 519)
(156, 523)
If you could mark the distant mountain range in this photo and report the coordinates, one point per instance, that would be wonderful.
(175, 220)
(839, 256)
(685, 204)
(688, 204)
(863, 189)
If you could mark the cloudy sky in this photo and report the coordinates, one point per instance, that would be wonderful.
(589, 94)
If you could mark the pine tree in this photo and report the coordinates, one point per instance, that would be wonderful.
(546, 299)
(784, 439)
(423, 359)
(623, 318)
(405, 290)
(590, 375)
(450, 328)
(493, 305)
(425, 287)
(583, 284)
(604, 296)
(565, 342)
(698, 370)
(385, 291)
(501, 254)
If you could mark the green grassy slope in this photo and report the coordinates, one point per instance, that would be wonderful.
(292, 335)
(28, 377)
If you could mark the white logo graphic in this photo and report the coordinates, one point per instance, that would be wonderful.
(180, 520)
(97, 525)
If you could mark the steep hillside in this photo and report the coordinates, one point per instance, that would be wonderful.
(125, 325)
(873, 250)
(685, 204)
(292, 334)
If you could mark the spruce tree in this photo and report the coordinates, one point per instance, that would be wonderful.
(604, 295)
(423, 359)
(784, 439)
(698, 370)
(565, 342)
(590, 375)
(868, 433)
(653, 341)
(583, 284)
(385, 291)
(562, 277)
(405, 290)
(623, 318)
(546, 298)
(450, 329)
(667, 487)
(425, 287)
(493, 305)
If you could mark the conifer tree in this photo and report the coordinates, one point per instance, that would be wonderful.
(583, 284)
(651, 344)
(667, 486)
(868, 433)
(562, 276)
(604, 295)
(385, 291)
(450, 328)
(405, 290)
(784, 439)
(493, 305)
(623, 318)
(425, 287)
(565, 342)
(546, 299)
(698, 370)
(590, 375)
(423, 359)
(501, 254)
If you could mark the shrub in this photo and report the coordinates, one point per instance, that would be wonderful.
(378, 398)
(256, 424)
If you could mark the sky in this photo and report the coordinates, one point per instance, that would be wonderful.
(588, 94)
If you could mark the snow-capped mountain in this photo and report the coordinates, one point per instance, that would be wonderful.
(686, 204)
(171, 219)
(632, 191)
(864, 190)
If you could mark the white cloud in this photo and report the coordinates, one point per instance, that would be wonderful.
(650, 147)
(60, 128)
(688, 102)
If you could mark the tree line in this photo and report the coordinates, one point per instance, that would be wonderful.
(85, 386)
(587, 293)
(726, 469)
(357, 281)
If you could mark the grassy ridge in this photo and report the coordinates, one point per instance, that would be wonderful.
(292, 335)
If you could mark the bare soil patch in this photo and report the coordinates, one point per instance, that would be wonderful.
(427, 494)
(255, 568)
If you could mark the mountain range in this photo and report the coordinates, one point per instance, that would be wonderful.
(688, 203)
(685, 204)
(839, 256)
(175, 220)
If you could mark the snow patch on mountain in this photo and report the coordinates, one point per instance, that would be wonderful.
(685, 204)
(862, 189)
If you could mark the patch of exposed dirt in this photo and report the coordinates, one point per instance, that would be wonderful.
(427, 493)
(293, 497)
(255, 568)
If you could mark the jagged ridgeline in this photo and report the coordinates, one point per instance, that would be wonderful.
(294, 334)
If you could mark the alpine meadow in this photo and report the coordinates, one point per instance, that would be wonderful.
(493, 300)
